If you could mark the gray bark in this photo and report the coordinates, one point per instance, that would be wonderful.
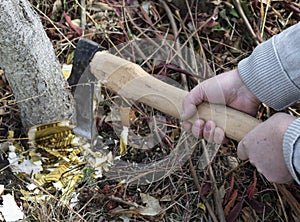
(32, 70)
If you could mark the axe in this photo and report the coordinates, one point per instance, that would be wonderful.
(92, 64)
(131, 81)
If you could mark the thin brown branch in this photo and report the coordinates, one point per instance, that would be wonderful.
(196, 181)
(58, 200)
(176, 35)
(286, 195)
(247, 23)
(218, 201)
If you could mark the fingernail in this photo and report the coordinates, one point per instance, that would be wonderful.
(207, 127)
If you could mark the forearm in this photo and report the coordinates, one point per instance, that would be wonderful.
(271, 72)
(291, 149)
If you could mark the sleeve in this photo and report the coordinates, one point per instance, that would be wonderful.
(291, 149)
(272, 73)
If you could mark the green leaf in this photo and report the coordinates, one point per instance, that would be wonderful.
(233, 12)
(218, 27)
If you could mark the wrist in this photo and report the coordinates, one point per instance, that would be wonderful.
(245, 90)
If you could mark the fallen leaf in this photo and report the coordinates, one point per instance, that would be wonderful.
(230, 202)
(1, 188)
(205, 189)
(73, 26)
(232, 162)
(202, 207)
(66, 70)
(56, 9)
(251, 189)
(11, 134)
(152, 206)
(259, 207)
(10, 209)
(123, 140)
(145, 12)
(235, 212)
(230, 190)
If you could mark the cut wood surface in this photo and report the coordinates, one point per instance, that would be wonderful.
(131, 81)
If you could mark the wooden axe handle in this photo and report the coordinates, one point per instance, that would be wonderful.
(131, 81)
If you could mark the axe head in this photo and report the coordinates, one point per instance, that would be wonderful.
(82, 83)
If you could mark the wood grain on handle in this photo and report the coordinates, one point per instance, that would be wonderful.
(131, 81)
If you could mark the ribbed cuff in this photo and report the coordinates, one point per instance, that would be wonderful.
(264, 75)
(291, 149)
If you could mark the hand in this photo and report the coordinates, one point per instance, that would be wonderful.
(263, 147)
(226, 88)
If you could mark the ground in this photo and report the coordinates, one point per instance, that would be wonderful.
(218, 34)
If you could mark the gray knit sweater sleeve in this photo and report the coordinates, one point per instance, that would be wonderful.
(272, 73)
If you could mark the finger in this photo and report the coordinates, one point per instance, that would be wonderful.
(187, 126)
(197, 128)
(208, 131)
(219, 136)
(191, 101)
(242, 150)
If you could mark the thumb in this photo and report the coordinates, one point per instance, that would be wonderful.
(242, 150)
(190, 102)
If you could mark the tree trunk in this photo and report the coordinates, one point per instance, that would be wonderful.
(31, 68)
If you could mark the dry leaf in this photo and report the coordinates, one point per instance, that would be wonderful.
(56, 9)
(10, 209)
(1, 188)
(152, 206)
(123, 140)
(202, 207)
(251, 189)
(233, 162)
(72, 25)
(230, 190)
(231, 202)
(235, 212)
(66, 70)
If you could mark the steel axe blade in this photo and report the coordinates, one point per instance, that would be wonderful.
(82, 84)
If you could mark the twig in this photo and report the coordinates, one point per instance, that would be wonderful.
(121, 201)
(176, 35)
(196, 181)
(206, 70)
(281, 202)
(265, 18)
(247, 23)
(290, 199)
(57, 29)
(85, 12)
(218, 201)
(55, 198)
(83, 15)
(236, 168)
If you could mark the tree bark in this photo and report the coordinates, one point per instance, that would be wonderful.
(31, 68)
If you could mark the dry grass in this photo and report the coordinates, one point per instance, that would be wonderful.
(220, 34)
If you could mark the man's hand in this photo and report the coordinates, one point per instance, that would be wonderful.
(227, 89)
(263, 147)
